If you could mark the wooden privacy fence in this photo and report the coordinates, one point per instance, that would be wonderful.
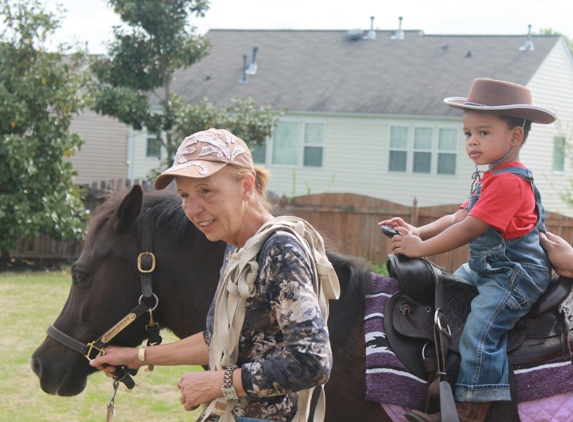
(348, 221)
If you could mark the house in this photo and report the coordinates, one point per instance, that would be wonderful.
(104, 155)
(365, 114)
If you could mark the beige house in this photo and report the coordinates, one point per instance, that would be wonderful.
(366, 115)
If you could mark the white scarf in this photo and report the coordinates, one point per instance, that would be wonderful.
(238, 285)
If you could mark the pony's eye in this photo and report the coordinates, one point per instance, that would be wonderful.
(79, 278)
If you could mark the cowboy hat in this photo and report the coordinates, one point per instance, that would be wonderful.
(504, 98)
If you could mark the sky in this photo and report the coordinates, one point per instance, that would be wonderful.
(91, 21)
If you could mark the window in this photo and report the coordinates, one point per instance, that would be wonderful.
(422, 150)
(398, 149)
(447, 151)
(153, 146)
(259, 154)
(559, 146)
(418, 150)
(313, 144)
(286, 143)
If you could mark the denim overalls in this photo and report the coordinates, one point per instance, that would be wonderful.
(510, 275)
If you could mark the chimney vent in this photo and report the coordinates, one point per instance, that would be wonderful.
(399, 34)
(370, 35)
(354, 34)
(244, 80)
(528, 46)
(252, 69)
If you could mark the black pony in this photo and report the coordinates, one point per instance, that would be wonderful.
(106, 286)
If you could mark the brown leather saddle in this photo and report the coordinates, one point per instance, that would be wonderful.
(423, 323)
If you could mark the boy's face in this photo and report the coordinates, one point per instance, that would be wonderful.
(488, 138)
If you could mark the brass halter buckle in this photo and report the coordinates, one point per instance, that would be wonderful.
(140, 257)
(92, 346)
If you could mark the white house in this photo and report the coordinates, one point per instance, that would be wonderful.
(367, 115)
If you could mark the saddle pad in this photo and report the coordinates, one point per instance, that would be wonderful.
(551, 409)
(388, 381)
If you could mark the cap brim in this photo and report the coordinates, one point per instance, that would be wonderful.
(524, 111)
(194, 169)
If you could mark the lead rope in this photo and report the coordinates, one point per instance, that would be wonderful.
(111, 404)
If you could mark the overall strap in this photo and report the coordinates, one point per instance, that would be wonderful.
(518, 171)
(526, 174)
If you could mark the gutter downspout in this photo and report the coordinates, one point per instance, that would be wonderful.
(129, 161)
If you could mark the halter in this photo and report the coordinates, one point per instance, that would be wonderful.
(146, 266)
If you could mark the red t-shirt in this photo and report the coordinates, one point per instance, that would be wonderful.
(506, 203)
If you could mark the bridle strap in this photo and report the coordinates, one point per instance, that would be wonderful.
(67, 341)
(146, 264)
(98, 345)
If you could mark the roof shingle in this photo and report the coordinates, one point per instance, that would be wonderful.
(323, 71)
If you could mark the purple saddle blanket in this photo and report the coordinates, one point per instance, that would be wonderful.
(388, 380)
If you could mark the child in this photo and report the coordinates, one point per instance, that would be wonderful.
(501, 221)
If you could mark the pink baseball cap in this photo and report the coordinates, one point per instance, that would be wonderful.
(205, 153)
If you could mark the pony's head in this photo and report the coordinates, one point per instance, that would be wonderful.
(106, 282)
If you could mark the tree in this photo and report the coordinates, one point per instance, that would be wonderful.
(154, 41)
(552, 32)
(39, 93)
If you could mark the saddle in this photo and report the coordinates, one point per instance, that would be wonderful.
(424, 321)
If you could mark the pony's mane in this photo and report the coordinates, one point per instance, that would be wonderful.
(163, 208)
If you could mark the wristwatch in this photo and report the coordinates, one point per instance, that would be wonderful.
(229, 392)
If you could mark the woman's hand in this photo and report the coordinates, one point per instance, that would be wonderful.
(200, 387)
(560, 253)
(117, 356)
(396, 222)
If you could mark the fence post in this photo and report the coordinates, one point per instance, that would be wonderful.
(414, 213)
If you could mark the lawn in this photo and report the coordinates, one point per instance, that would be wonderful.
(31, 301)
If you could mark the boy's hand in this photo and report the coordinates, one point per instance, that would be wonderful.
(396, 222)
(408, 244)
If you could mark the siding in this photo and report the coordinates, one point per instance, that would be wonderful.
(142, 164)
(356, 161)
(104, 153)
(552, 87)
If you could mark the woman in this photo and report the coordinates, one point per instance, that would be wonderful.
(266, 337)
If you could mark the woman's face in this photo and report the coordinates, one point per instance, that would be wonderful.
(215, 204)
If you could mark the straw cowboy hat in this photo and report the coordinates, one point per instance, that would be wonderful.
(504, 98)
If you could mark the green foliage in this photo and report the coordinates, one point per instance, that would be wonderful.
(550, 31)
(250, 123)
(39, 94)
(153, 42)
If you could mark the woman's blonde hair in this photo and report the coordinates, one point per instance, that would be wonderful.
(262, 177)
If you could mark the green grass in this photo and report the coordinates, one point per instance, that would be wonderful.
(379, 268)
(30, 303)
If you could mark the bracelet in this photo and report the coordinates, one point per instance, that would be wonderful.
(229, 392)
(141, 353)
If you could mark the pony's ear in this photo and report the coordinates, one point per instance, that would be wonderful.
(129, 209)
